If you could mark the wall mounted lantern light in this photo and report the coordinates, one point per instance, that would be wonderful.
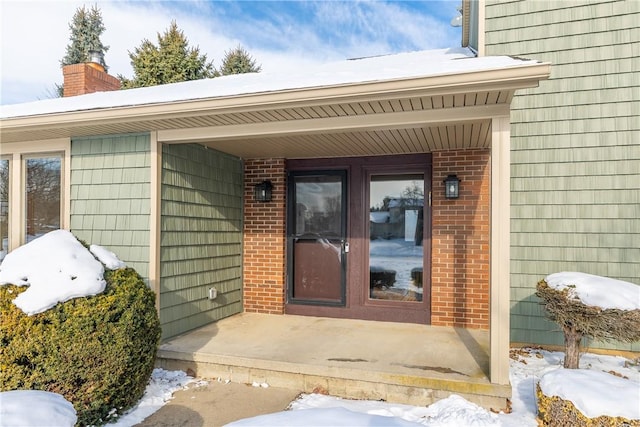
(262, 191)
(451, 187)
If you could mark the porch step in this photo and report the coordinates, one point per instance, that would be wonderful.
(399, 363)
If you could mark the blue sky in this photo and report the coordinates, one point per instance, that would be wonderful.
(280, 35)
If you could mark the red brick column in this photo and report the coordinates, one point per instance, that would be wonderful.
(460, 241)
(264, 238)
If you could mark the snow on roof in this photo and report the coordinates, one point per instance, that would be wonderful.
(584, 388)
(379, 68)
(57, 268)
(597, 291)
(379, 217)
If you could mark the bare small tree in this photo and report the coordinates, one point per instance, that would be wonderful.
(578, 320)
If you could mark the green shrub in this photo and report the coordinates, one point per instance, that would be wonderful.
(98, 352)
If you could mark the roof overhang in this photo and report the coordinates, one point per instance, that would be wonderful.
(392, 116)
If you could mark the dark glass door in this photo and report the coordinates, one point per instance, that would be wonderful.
(316, 237)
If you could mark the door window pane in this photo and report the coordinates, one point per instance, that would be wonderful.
(316, 238)
(396, 213)
(43, 185)
(318, 205)
(4, 208)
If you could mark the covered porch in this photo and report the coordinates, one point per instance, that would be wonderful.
(358, 359)
(449, 106)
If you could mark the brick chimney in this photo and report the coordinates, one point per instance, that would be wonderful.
(89, 77)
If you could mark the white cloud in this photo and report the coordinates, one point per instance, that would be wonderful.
(34, 34)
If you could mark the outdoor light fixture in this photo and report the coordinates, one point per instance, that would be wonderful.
(451, 187)
(262, 191)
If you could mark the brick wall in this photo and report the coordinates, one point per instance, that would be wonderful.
(80, 79)
(460, 241)
(264, 239)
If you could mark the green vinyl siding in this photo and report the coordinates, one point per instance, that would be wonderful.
(110, 205)
(201, 237)
(575, 187)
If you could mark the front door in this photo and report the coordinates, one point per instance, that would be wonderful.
(358, 238)
(316, 237)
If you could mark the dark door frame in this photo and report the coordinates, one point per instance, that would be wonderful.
(292, 237)
(357, 304)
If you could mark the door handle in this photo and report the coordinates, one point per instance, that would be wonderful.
(345, 245)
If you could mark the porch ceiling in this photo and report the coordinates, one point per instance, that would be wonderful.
(376, 127)
(392, 126)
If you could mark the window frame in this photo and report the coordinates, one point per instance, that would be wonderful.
(34, 156)
(7, 158)
(18, 153)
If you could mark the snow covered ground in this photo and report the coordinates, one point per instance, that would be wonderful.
(400, 256)
(527, 368)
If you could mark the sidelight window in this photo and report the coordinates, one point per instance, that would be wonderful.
(396, 224)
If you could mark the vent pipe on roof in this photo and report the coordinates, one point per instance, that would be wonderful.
(96, 60)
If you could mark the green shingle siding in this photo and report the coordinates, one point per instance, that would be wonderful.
(110, 187)
(201, 237)
(575, 148)
(200, 317)
(606, 44)
(534, 13)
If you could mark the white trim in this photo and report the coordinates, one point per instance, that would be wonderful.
(39, 146)
(481, 22)
(154, 219)
(500, 246)
(16, 199)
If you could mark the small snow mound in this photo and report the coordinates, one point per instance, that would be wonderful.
(56, 267)
(456, 411)
(108, 258)
(584, 388)
(51, 409)
(597, 291)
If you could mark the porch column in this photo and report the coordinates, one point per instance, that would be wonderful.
(154, 216)
(500, 243)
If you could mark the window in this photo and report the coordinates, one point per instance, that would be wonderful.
(396, 224)
(42, 195)
(34, 193)
(4, 207)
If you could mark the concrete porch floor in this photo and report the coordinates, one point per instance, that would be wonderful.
(358, 359)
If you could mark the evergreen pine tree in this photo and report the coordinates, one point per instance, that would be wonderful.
(238, 61)
(86, 28)
(170, 61)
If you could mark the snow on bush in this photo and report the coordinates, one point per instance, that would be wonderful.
(586, 305)
(584, 388)
(56, 267)
(581, 397)
(597, 291)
